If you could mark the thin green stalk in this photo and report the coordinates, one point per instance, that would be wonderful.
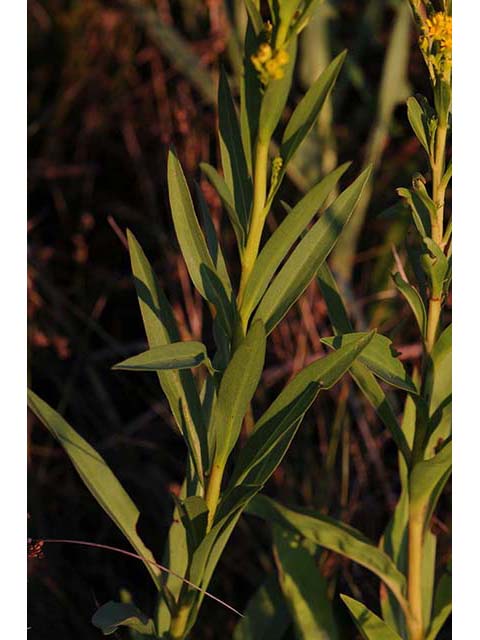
(438, 192)
(414, 584)
(178, 625)
(212, 495)
(257, 218)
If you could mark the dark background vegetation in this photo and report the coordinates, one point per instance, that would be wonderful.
(106, 99)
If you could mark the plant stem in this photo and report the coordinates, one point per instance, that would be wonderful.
(438, 193)
(414, 587)
(179, 622)
(257, 218)
(213, 491)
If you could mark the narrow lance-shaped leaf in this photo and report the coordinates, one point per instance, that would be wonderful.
(275, 429)
(275, 97)
(414, 300)
(359, 372)
(177, 355)
(227, 200)
(213, 244)
(311, 252)
(380, 358)
(427, 481)
(283, 238)
(238, 385)
(112, 615)
(188, 231)
(370, 625)
(266, 616)
(231, 149)
(417, 119)
(161, 329)
(307, 110)
(304, 588)
(98, 478)
(327, 532)
(442, 604)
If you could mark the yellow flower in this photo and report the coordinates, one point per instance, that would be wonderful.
(270, 65)
(439, 29)
(436, 45)
(264, 53)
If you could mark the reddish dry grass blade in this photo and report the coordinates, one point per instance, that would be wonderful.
(36, 549)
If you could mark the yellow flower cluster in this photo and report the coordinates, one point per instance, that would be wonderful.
(436, 45)
(439, 28)
(270, 64)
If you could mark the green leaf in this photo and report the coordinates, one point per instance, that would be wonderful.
(237, 387)
(438, 389)
(295, 276)
(304, 588)
(176, 355)
(275, 97)
(414, 300)
(226, 308)
(336, 536)
(419, 211)
(255, 16)
(194, 514)
(307, 110)
(380, 357)
(417, 119)
(266, 616)
(442, 604)
(250, 96)
(161, 329)
(112, 615)
(231, 149)
(436, 266)
(360, 373)
(427, 481)
(370, 625)
(97, 477)
(274, 431)
(283, 238)
(227, 200)
(188, 231)
(212, 241)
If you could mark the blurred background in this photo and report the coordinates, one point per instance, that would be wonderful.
(111, 85)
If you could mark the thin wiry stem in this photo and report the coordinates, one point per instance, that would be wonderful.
(107, 547)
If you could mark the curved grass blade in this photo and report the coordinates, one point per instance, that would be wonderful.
(311, 252)
(97, 477)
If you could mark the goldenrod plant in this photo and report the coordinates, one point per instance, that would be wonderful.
(210, 393)
(415, 599)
